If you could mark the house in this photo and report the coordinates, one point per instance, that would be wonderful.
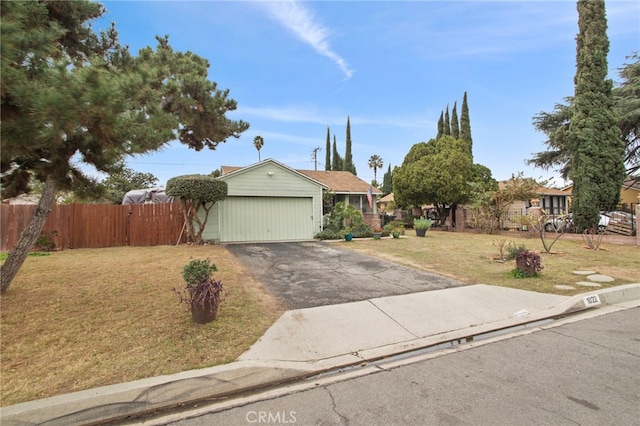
(629, 193)
(383, 202)
(347, 187)
(269, 201)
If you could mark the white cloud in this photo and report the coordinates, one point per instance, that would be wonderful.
(307, 114)
(299, 19)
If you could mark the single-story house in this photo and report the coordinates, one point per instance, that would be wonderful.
(629, 194)
(269, 201)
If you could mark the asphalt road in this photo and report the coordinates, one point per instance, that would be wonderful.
(583, 373)
(309, 274)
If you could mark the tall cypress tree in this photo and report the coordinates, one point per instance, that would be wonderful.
(327, 159)
(348, 158)
(455, 126)
(465, 124)
(337, 162)
(440, 125)
(597, 151)
(387, 182)
(447, 125)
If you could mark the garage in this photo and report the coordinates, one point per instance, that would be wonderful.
(267, 219)
(267, 201)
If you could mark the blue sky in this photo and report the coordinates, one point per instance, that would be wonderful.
(296, 68)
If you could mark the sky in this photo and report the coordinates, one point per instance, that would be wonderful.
(296, 68)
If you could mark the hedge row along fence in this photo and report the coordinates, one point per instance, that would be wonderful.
(72, 226)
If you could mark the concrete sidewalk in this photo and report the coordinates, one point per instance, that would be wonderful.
(306, 342)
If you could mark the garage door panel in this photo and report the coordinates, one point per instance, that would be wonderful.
(266, 219)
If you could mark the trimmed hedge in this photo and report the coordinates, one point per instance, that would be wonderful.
(197, 187)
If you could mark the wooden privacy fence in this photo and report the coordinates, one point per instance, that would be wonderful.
(98, 225)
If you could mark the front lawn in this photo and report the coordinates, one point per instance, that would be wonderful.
(84, 318)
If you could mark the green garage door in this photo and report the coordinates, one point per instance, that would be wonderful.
(266, 219)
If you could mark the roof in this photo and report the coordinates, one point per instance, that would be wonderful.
(387, 198)
(631, 182)
(340, 182)
(231, 170)
(542, 190)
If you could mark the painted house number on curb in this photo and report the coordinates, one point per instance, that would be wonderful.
(592, 300)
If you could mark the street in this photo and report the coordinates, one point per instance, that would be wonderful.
(586, 372)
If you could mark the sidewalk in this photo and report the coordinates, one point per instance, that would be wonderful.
(309, 341)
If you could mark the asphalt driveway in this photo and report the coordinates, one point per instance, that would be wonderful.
(308, 274)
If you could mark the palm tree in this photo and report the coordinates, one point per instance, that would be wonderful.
(258, 142)
(375, 163)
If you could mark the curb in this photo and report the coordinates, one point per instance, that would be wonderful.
(122, 401)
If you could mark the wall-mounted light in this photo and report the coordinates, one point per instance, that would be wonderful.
(270, 173)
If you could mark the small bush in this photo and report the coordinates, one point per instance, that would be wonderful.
(529, 263)
(327, 234)
(198, 271)
(362, 230)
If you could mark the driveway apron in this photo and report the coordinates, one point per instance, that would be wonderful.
(308, 274)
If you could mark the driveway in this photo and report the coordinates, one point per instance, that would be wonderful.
(308, 274)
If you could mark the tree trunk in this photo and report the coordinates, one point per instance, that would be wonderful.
(29, 235)
(187, 213)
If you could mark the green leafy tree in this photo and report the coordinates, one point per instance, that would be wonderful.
(437, 172)
(258, 143)
(627, 106)
(71, 97)
(555, 125)
(338, 162)
(118, 183)
(198, 193)
(375, 163)
(387, 181)
(348, 158)
(455, 125)
(327, 160)
(597, 151)
(465, 125)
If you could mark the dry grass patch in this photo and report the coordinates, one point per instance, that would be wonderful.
(468, 258)
(85, 318)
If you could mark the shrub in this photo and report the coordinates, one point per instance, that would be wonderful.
(327, 234)
(421, 223)
(197, 271)
(362, 230)
(529, 263)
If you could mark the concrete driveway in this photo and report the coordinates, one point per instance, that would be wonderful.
(308, 274)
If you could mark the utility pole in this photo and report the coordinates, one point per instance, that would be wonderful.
(314, 154)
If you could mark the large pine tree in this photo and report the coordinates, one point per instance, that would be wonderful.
(327, 159)
(348, 158)
(72, 98)
(597, 151)
(465, 124)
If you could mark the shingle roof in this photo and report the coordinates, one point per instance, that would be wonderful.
(339, 182)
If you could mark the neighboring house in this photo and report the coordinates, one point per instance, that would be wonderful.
(629, 194)
(269, 201)
(384, 202)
